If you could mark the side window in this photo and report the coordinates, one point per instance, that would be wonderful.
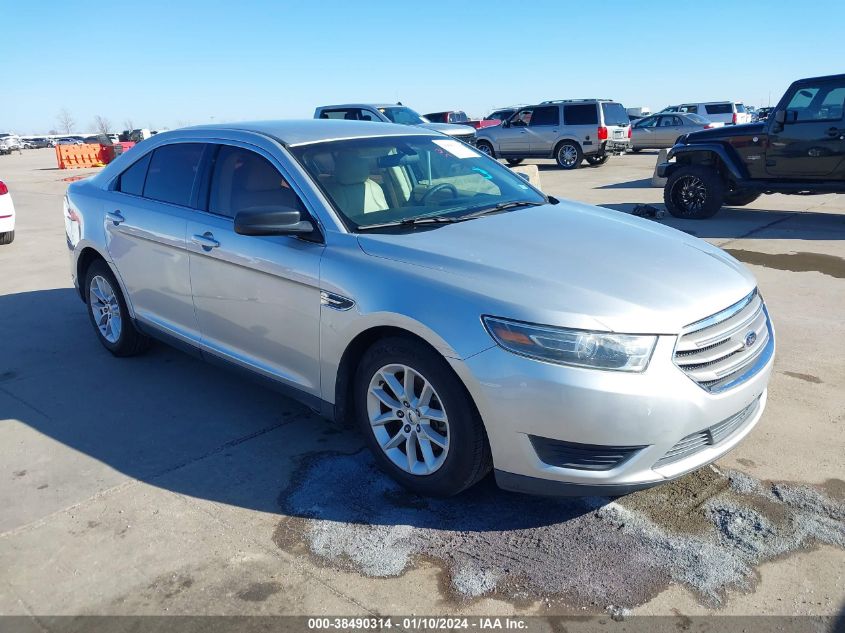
(132, 180)
(719, 108)
(688, 108)
(173, 168)
(581, 114)
(648, 122)
(339, 114)
(822, 103)
(243, 180)
(548, 115)
(833, 104)
(522, 118)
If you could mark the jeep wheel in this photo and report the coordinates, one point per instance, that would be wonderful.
(513, 162)
(568, 155)
(485, 148)
(597, 161)
(740, 198)
(694, 192)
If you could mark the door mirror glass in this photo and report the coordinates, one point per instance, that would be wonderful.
(271, 221)
(780, 117)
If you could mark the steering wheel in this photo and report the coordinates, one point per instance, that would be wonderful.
(440, 187)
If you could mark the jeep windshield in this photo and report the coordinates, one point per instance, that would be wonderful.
(402, 115)
(396, 180)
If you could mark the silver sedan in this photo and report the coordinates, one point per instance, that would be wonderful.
(401, 280)
(660, 131)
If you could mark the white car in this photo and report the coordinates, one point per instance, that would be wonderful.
(727, 112)
(7, 215)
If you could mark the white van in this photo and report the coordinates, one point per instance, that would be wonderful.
(727, 112)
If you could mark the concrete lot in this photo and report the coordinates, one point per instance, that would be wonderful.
(161, 484)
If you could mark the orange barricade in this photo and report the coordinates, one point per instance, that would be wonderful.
(76, 156)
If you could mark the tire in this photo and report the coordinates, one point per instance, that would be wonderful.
(7, 238)
(636, 150)
(740, 198)
(568, 155)
(459, 456)
(694, 192)
(485, 148)
(513, 162)
(103, 295)
(597, 161)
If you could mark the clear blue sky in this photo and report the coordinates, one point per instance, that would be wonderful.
(165, 63)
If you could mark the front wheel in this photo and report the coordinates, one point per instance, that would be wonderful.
(694, 192)
(597, 161)
(568, 155)
(418, 419)
(108, 313)
(513, 162)
(485, 148)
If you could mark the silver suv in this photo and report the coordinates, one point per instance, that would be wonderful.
(567, 130)
(393, 113)
(403, 281)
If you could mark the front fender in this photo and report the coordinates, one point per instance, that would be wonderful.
(703, 153)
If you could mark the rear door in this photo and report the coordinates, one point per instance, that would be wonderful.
(544, 130)
(723, 112)
(146, 219)
(257, 298)
(811, 143)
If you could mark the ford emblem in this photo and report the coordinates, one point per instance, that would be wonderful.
(750, 338)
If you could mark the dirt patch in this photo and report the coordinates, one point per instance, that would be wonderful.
(795, 262)
(805, 377)
(259, 591)
(707, 531)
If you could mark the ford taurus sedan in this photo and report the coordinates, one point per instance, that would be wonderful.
(401, 280)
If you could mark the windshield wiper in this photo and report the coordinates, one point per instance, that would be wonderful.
(424, 219)
(502, 206)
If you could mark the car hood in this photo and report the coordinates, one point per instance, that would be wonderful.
(449, 128)
(725, 132)
(574, 265)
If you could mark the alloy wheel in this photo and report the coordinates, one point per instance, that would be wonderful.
(567, 155)
(689, 194)
(105, 308)
(408, 419)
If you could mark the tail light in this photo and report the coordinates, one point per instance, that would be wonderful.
(735, 118)
(3, 188)
(602, 133)
(630, 132)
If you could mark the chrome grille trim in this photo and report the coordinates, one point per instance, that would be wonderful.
(719, 432)
(714, 352)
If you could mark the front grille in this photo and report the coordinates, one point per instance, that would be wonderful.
(720, 431)
(580, 456)
(466, 138)
(727, 348)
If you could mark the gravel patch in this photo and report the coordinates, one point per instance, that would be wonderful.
(707, 531)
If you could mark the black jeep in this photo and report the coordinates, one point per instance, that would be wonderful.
(799, 149)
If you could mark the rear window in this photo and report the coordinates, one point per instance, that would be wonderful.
(548, 115)
(697, 119)
(458, 117)
(170, 177)
(720, 108)
(582, 114)
(614, 114)
(132, 180)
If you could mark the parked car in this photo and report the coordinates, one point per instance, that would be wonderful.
(660, 131)
(727, 112)
(457, 117)
(7, 215)
(568, 131)
(68, 141)
(10, 143)
(392, 113)
(763, 113)
(799, 149)
(38, 142)
(398, 279)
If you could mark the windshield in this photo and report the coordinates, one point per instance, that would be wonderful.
(394, 178)
(402, 115)
(614, 114)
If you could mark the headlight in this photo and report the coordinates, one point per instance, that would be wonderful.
(599, 350)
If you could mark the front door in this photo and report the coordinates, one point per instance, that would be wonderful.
(513, 140)
(145, 231)
(811, 141)
(668, 129)
(257, 298)
(544, 130)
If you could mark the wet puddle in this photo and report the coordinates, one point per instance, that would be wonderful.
(794, 262)
(708, 531)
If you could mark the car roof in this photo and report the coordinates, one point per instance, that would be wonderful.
(300, 132)
(362, 105)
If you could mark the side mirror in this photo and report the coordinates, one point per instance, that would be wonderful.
(271, 221)
(780, 117)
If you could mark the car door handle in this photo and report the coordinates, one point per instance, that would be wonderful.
(206, 240)
(115, 217)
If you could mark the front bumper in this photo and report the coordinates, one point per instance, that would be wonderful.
(663, 169)
(520, 398)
